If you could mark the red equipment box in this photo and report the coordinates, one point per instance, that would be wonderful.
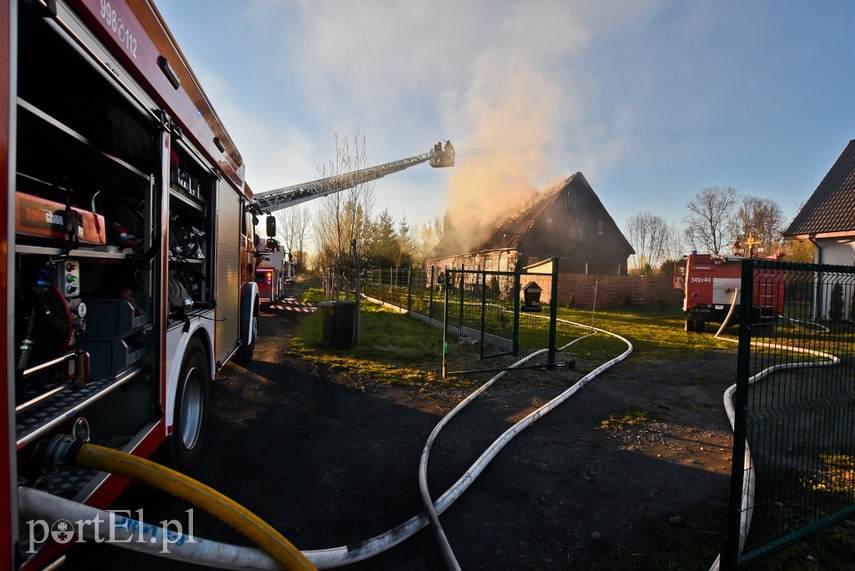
(41, 218)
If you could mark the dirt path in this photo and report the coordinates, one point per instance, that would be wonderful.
(329, 462)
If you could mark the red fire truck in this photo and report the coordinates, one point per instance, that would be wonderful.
(274, 271)
(709, 283)
(129, 243)
(127, 232)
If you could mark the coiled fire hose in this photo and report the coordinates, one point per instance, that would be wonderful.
(84, 455)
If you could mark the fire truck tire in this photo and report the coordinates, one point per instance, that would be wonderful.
(191, 408)
(246, 350)
(695, 322)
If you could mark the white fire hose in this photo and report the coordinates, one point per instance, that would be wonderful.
(500, 442)
(37, 504)
(748, 483)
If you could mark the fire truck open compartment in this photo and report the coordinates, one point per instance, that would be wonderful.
(71, 151)
(87, 150)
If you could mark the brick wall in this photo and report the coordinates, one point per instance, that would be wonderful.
(611, 290)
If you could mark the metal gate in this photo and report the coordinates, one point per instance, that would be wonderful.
(793, 470)
(492, 314)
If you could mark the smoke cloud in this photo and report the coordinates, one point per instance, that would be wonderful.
(513, 114)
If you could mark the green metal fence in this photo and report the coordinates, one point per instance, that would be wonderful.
(413, 289)
(489, 318)
(793, 470)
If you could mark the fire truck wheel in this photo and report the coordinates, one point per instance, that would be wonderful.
(695, 322)
(191, 409)
(245, 352)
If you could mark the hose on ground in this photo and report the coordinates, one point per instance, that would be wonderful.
(444, 545)
(748, 483)
(286, 555)
(197, 494)
(347, 554)
(442, 540)
(140, 537)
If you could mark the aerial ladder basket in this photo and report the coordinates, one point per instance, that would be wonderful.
(442, 156)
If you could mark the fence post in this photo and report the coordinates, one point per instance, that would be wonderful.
(553, 313)
(430, 293)
(445, 330)
(730, 557)
(516, 291)
(409, 289)
(483, 307)
(462, 294)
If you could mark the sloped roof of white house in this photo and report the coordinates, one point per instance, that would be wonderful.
(830, 211)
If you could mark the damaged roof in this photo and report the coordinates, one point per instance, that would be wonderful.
(830, 210)
(507, 232)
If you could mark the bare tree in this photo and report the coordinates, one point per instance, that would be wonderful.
(293, 225)
(649, 235)
(762, 219)
(428, 236)
(709, 219)
(674, 247)
(343, 217)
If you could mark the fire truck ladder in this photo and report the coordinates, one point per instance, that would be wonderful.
(280, 198)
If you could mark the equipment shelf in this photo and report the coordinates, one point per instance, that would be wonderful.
(76, 253)
(70, 151)
(49, 413)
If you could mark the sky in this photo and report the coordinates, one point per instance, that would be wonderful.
(652, 100)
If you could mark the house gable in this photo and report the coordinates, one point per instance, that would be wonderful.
(577, 227)
(567, 221)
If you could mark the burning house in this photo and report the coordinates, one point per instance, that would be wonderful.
(567, 221)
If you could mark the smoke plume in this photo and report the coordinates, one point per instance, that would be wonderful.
(512, 111)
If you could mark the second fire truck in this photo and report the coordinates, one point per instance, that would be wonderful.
(710, 286)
